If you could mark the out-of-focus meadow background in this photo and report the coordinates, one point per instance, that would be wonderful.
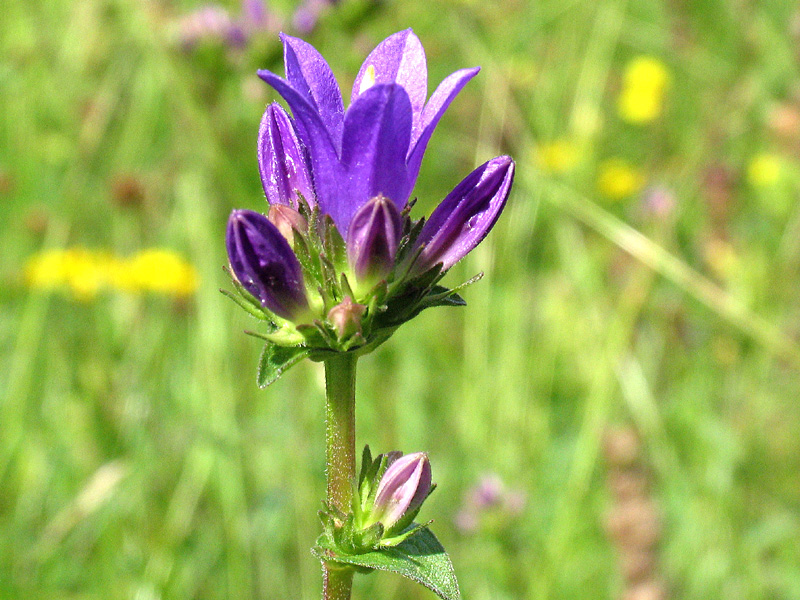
(614, 414)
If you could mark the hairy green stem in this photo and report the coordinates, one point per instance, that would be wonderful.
(340, 438)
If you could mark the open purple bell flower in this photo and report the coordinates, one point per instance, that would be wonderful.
(376, 145)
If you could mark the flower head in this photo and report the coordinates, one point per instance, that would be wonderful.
(645, 83)
(388, 495)
(340, 234)
(618, 179)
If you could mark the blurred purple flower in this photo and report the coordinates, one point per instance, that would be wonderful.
(488, 496)
(487, 493)
(659, 202)
(215, 23)
(208, 22)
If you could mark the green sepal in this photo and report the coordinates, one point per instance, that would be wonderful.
(245, 299)
(398, 539)
(368, 538)
(334, 244)
(366, 463)
(247, 306)
(309, 262)
(419, 557)
(275, 360)
(442, 296)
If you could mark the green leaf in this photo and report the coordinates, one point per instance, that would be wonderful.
(277, 359)
(420, 557)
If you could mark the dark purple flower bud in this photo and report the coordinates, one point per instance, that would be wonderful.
(373, 237)
(264, 263)
(402, 489)
(282, 160)
(465, 216)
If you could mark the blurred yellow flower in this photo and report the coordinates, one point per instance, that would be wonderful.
(558, 156)
(644, 85)
(617, 179)
(721, 257)
(764, 170)
(85, 272)
(162, 271)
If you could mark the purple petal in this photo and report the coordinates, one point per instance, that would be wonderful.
(399, 59)
(327, 173)
(437, 105)
(264, 263)
(377, 130)
(309, 74)
(466, 215)
(282, 160)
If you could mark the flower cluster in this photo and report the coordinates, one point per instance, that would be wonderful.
(388, 496)
(338, 263)
(85, 273)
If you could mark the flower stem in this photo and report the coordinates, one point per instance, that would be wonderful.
(340, 437)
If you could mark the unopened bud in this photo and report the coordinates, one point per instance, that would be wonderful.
(288, 221)
(346, 317)
(373, 237)
(402, 489)
(264, 263)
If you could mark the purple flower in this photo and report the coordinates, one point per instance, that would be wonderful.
(376, 145)
(465, 216)
(282, 160)
(402, 489)
(338, 182)
(256, 15)
(373, 238)
(208, 22)
(264, 263)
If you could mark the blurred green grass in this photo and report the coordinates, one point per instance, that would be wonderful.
(139, 460)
